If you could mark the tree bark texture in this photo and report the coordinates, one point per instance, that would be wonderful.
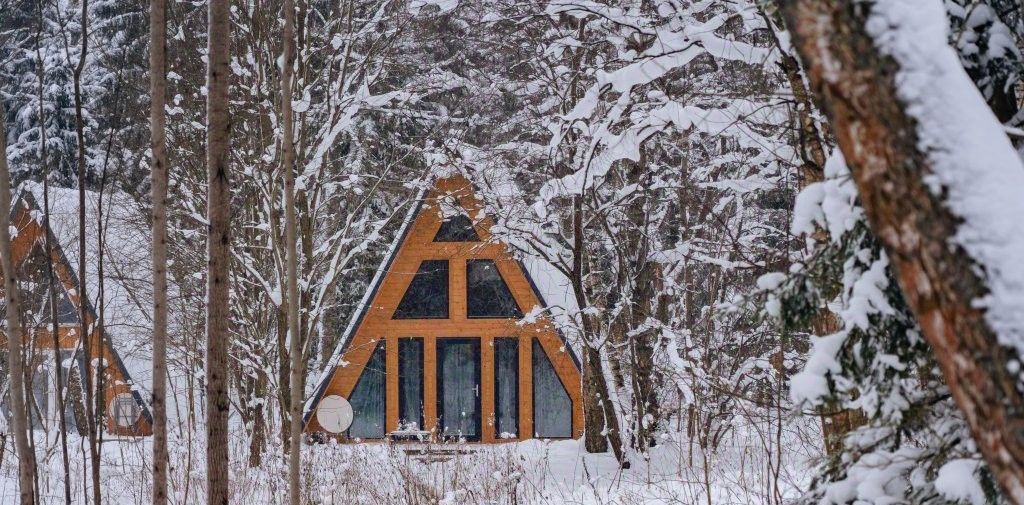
(600, 422)
(218, 242)
(158, 169)
(291, 255)
(855, 86)
(15, 364)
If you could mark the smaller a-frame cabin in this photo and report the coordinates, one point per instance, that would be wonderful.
(126, 414)
(439, 344)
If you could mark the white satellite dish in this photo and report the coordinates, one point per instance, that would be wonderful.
(334, 414)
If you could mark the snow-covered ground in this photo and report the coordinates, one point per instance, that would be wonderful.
(741, 471)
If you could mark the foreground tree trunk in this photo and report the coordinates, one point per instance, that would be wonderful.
(158, 168)
(600, 422)
(15, 366)
(855, 84)
(218, 213)
(91, 377)
(291, 253)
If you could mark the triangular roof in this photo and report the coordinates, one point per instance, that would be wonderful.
(462, 189)
(27, 217)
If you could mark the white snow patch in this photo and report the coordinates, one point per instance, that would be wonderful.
(956, 481)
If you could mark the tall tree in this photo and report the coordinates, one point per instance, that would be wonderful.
(944, 202)
(291, 254)
(158, 168)
(91, 377)
(50, 275)
(218, 250)
(16, 368)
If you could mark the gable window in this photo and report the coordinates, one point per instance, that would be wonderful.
(427, 295)
(458, 228)
(487, 295)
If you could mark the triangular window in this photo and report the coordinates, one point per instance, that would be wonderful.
(458, 228)
(427, 296)
(367, 398)
(552, 407)
(487, 295)
(66, 311)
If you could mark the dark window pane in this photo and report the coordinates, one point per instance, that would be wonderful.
(427, 296)
(367, 398)
(457, 228)
(410, 383)
(487, 294)
(458, 388)
(506, 387)
(552, 408)
(66, 312)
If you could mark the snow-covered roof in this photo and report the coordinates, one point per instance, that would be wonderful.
(126, 303)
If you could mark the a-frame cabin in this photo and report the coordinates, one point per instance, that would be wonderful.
(438, 345)
(126, 414)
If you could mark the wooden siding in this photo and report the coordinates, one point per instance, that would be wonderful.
(377, 323)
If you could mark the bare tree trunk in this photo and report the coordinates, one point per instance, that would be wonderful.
(91, 411)
(600, 423)
(16, 368)
(218, 243)
(291, 253)
(158, 143)
(50, 276)
(856, 86)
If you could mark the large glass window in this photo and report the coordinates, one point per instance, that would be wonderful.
(427, 296)
(458, 388)
(42, 403)
(552, 407)
(458, 228)
(367, 398)
(487, 295)
(410, 383)
(506, 387)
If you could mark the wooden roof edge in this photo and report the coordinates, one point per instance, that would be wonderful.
(360, 313)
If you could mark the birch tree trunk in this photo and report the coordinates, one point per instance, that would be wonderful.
(855, 84)
(291, 253)
(218, 212)
(16, 367)
(158, 167)
(92, 413)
